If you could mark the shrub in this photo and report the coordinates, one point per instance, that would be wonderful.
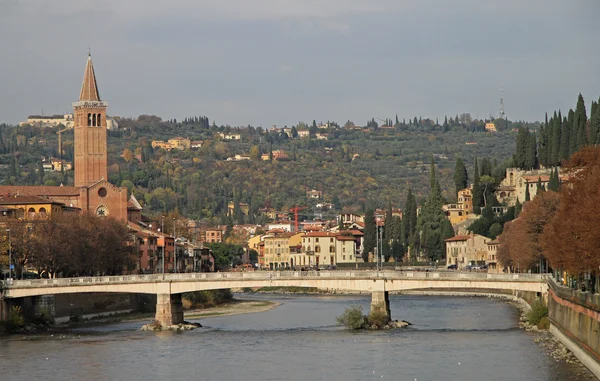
(209, 298)
(544, 323)
(15, 319)
(538, 311)
(352, 318)
(378, 318)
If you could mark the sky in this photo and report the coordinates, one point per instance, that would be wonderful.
(277, 62)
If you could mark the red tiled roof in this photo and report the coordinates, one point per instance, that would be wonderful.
(42, 190)
(344, 238)
(25, 199)
(458, 238)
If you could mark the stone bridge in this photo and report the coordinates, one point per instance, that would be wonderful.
(169, 287)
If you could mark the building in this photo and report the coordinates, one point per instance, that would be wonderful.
(315, 194)
(197, 144)
(230, 136)
(56, 165)
(238, 157)
(91, 193)
(214, 236)
(463, 209)
(285, 225)
(277, 250)
(279, 155)
(463, 250)
(49, 120)
(517, 181)
(490, 127)
(492, 257)
(178, 143)
(29, 207)
(303, 134)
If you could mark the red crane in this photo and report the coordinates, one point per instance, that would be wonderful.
(295, 210)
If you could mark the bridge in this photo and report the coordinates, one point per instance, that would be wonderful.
(169, 287)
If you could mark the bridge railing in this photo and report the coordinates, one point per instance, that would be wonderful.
(275, 275)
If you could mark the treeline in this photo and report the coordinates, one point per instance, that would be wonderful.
(559, 137)
(560, 228)
(73, 245)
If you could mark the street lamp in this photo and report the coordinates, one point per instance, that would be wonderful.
(9, 256)
(174, 246)
(162, 230)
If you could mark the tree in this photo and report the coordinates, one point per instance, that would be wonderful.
(460, 176)
(553, 182)
(531, 153)
(477, 195)
(522, 147)
(540, 186)
(527, 195)
(370, 237)
(255, 153)
(573, 246)
(487, 187)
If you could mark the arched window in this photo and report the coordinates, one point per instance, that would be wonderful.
(89, 120)
(31, 212)
(98, 120)
(43, 212)
(94, 120)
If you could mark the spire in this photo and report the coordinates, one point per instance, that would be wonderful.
(89, 88)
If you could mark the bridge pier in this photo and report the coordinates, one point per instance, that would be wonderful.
(380, 302)
(169, 309)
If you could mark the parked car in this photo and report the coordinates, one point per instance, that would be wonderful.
(452, 267)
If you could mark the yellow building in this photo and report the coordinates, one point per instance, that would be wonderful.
(277, 250)
(463, 209)
(180, 143)
(31, 207)
(175, 143)
(490, 127)
(463, 250)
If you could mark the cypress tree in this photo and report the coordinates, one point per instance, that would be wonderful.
(527, 196)
(518, 208)
(565, 132)
(531, 158)
(540, 186)
(410, 216)
(595, 124)
(556, 124)
(370, 236)
(553, 182)
(573, 133)
(581, 121)
(543, 143)
(461, 177)
(522, 145)
(477, 196)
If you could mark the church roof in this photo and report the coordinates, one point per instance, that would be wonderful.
(89, 87)
(42, 190)
(25, 199)
(133, 203)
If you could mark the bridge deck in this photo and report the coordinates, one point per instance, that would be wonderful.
(340, 279)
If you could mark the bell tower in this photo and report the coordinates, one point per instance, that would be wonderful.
(90, 131)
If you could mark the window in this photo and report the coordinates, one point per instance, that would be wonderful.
(331, 249)
(31, 212)
(98, 120)
(316, 240)
(43, 212)
(89, 123)
(317, 249)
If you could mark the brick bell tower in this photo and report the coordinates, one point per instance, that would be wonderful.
(90, 132)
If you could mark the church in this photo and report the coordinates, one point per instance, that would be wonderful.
(91, 191)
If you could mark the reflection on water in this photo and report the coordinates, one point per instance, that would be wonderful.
(453, 338)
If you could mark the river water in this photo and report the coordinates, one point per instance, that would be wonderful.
(452, 338)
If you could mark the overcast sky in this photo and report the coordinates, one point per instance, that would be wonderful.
(265, 62)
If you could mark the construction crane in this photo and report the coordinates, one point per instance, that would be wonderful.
(295, 210)
(60, 152)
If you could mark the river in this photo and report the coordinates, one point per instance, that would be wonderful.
(452, 338)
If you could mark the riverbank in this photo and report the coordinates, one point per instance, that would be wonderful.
(233, 307)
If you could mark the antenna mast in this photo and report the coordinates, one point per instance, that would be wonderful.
(501, 114)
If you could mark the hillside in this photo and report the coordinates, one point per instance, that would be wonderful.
(353, 168)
